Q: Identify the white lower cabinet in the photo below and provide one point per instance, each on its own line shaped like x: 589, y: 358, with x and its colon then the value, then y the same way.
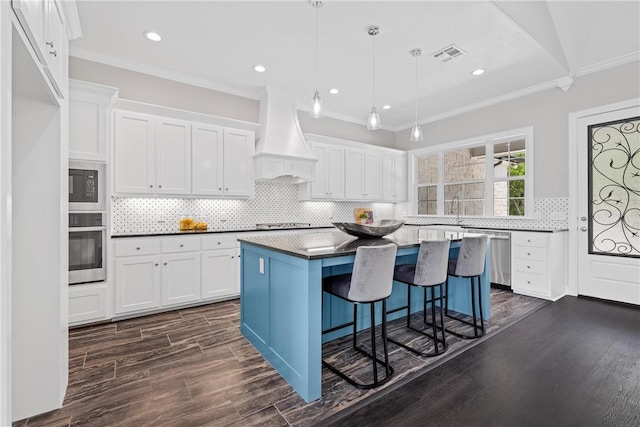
x: 87, y: 303
x: 180, y: 278
x: 137, y: 283
x: 156, y: 272
x: 538, y: 264
x: 219, y: 278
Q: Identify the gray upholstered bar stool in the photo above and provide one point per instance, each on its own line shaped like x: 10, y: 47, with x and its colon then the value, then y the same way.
x: 469, y: 264
x: 428, y: 273
x: 370, y: 282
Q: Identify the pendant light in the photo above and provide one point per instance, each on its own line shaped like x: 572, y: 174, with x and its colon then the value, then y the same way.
x: 416, y: 131
x: 316, y: 102
x: 373, y: 122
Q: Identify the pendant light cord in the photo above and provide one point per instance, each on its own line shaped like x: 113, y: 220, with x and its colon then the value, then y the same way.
x: 416, y: 90
x: 317, y: 6
x: 373, y: 85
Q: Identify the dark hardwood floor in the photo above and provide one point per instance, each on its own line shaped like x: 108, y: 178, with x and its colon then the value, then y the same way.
x: 192, y: 367
x: 575, y: 362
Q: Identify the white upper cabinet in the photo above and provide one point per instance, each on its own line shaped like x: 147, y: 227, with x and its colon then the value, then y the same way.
x: 354, y: 174
x: 162, y: 156
x: 373, y: 176
x: 56, y: 45
x: 207, y: 160
x: 173, y: 156
x: 239, y: 147
x: 329, y: 182
x: 363, y: 175
x: 42, y: 22
x: 134, y: 155
x: 394, y: 184
x: 89, y: 120
x: 353, y: 171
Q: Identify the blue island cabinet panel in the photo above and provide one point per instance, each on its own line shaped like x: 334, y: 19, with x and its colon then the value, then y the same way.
x: 281, y: 315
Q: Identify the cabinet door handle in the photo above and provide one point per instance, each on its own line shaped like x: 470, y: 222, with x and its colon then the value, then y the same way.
x: 231, y: 256
x: 50, y: 44
x: 218, y: 242
x: 150, y: 185
x: 220, y: 188
x: 54, y: 53
x: 165, y: 263
x: 528, y: 266
x: 138, y: 248
x: 528, y: 240
x: 226, y: 189
x: 528, y: 253
x: 159, y: 186
x: 156, y: 264
x: 529, y: 281
x: 182, y: 246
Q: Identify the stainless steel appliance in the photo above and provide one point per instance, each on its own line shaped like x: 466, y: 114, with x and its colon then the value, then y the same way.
x: 87, y: 247
x: 500, y: 255
x: 87, y: 186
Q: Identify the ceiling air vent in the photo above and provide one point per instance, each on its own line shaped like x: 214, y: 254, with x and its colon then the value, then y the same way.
x: 448, y: 53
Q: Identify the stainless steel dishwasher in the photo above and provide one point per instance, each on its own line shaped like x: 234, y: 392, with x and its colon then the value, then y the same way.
x: 500, y: 255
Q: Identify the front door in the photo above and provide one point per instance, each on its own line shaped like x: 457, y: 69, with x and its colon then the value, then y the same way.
x: 608, y: 204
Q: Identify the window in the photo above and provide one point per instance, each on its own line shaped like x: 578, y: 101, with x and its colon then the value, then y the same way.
x: 486, y: 176
x: 428, y: 170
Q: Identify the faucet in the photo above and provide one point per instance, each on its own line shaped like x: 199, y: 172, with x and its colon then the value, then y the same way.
x: 457, y: 200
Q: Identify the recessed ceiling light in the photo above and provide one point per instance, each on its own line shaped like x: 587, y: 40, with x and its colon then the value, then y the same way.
x: 333, y: 91
x: 153, y: 36
x: 260, y: 68
x: 386, y: 107
x: 478, y: 72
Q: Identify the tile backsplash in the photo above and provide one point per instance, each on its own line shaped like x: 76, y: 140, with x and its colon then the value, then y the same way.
x: 274, y: 202
x: 550, y: 213
x: 277, y: 202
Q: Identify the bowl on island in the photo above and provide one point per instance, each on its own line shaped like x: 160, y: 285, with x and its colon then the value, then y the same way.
x: 369, y: 231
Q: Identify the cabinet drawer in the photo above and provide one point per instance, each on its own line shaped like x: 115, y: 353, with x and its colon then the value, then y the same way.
x: 129, y: 247
x: 530, y: 252
x: 220, y: 241
x: 180, y: 244
x: 529, y: 282
x: 529, y: 266
x: 529, y: 239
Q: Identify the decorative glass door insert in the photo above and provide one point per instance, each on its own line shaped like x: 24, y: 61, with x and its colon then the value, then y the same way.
x: 614, y: 188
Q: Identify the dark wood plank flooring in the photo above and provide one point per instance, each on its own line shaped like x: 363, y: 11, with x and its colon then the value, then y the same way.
x: 575, y: 362
x: 192, y: 367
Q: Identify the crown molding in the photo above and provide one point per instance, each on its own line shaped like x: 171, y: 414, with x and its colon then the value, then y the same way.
x: 71, y: 19
x: 160, y: 72
x: 556, y: 83
x: 611, y: 63
x: 482, y: 104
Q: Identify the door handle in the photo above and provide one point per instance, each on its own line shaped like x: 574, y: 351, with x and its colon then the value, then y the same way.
x: 583, y: 228
x: 583, y: 218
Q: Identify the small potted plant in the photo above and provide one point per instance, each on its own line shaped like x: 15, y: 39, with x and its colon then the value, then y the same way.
x: 362, y: 218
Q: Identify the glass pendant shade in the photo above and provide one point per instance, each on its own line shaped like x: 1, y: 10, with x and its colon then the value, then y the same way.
x: 373, y: 123
x: 416, y: 134
x: 316, y: 106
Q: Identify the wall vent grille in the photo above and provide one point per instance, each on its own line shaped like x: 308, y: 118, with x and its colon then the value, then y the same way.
x: 448, y: 53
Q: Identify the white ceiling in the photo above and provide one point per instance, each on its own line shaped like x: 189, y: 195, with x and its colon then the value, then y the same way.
x: 522, y: 45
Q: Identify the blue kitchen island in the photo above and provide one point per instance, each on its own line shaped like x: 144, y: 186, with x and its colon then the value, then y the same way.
x: 283, y: 308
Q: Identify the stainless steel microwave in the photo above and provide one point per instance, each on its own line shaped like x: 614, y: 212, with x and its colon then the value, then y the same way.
x: 87, y: 189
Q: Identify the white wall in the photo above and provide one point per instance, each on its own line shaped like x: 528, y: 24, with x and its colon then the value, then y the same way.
x: 38, y: 203
x: 159, y: 91
x: 548, y: 112
x: 5, y: 214
x: 335, y: 128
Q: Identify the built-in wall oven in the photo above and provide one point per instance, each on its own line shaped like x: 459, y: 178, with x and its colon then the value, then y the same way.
x: 87, y: 247
x: 87, y: 188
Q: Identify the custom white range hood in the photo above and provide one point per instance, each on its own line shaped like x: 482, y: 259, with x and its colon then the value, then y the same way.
x: 282, y: 153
